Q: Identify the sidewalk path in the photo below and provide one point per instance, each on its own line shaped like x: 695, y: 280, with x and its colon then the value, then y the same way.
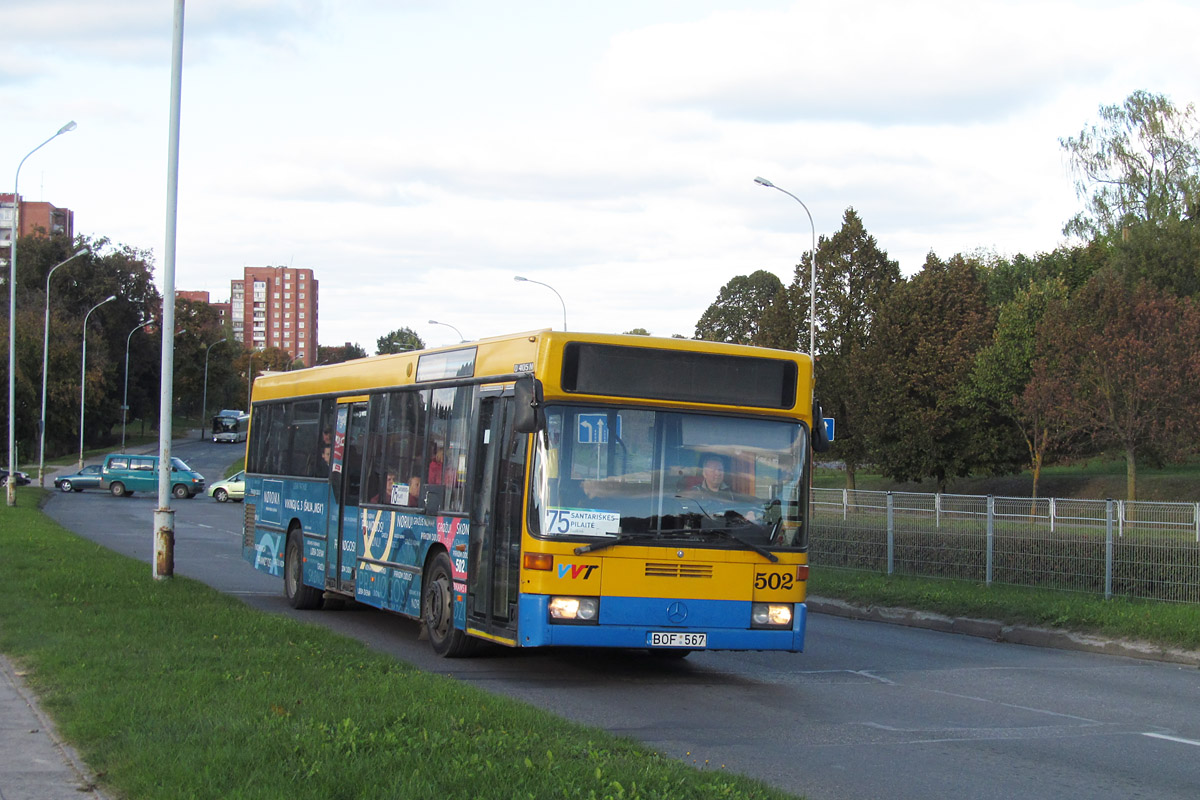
x: 35, y: 764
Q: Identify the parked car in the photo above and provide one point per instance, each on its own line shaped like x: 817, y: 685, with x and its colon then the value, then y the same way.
x: 232, y: 488
x: 124, y: 474
x: 22, y: 479
x: 87, y: 478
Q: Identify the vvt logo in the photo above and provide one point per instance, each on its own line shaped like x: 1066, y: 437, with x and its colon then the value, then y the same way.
x: 576, y: 570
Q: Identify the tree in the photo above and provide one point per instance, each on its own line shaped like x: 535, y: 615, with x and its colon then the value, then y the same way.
x: 1121, y: 365
x: 1002, y: 371
x: 1140, y: 164
x: 926, y: 336
x: 1167, y: 256
x: 77, y: 286
x: 399, y: 341
x: 777, y: 326
x: 336, y: 355
x: 854, y: 280
x: 734, y: 316
x: 198, y: 325
x: 638, y: 332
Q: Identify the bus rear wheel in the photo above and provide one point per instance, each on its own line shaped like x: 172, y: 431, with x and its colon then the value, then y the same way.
x: 437, y: 611
x: 298, y: 595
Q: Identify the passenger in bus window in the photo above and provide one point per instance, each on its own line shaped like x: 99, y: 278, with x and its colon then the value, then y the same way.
x: 434, y: 477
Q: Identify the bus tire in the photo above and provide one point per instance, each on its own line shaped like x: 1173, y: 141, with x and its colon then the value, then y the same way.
x: 117, y: 488
x: 298, y: 595
x: 437, y: 610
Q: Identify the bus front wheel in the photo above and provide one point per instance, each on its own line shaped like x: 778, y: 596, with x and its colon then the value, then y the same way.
x: 298, y: 595
x: 437, y: 611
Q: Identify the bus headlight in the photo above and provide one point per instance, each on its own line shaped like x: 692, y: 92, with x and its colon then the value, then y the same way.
x: 771, y: 615
x: 574, y: 609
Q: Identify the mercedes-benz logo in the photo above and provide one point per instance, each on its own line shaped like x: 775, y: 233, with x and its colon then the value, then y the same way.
x: 677, y: 612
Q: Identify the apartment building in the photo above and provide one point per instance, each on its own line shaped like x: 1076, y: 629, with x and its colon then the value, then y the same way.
x: 34, y: 216
x: 276, y: 307
x: 223, y: 309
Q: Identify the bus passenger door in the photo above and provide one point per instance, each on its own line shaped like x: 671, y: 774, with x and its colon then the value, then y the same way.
x: 345, y: 479
x: 497, y: 506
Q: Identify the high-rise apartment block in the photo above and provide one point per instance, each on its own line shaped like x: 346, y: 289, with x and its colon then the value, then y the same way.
x: 276, y: 307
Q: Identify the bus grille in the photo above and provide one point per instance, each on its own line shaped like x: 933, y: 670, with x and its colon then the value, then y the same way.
x: 660, y: 570
x: 248, y: 524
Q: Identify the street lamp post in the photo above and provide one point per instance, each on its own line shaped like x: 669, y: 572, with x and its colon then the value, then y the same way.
x: 519, y: 279
x: 249, y: 377
x: 83, y: 372
x: 125, y: 396
x: 12, y: 316
x: 45, y: 365
x: 812, y: 278
x: 461, y: 338
x: 204, y: 402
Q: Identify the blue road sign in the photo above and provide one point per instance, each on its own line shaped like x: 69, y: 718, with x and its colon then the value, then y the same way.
x: 593, y: 429
x: 829, y: 427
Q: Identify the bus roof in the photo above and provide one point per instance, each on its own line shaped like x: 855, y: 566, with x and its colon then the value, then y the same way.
x: 545, y: 354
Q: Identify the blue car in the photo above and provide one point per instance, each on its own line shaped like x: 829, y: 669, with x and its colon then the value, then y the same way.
x: 86, y: 478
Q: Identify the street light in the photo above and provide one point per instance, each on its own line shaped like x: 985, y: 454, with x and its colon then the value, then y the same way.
x: 83, y: 372
x: 249, y: 377
x: 812, y: 278
x: 204, y: 402
x: 12, y: 316
x: 461, y: 338
x: 125, y: 397
x: 45, y: 365
x: 519, y: 279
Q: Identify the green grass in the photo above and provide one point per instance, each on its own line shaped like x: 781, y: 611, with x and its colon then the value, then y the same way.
x: 171, y: 689
x: 1173, y: 625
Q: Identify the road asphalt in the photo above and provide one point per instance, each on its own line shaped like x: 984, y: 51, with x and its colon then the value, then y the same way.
x: 36, y: 764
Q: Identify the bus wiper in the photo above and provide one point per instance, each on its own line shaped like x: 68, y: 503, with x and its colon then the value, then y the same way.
x: 762, y: 551
x: 624, y: 538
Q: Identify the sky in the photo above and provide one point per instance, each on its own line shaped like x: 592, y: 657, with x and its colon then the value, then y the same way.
x: 417, y: 155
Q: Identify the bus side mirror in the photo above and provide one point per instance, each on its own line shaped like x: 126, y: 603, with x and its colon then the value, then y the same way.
x: 820, y: 439
x: 530, y: 416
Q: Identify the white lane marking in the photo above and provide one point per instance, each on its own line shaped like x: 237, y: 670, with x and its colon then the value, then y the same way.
x: 1192, y: 742
x: 1030, y: 709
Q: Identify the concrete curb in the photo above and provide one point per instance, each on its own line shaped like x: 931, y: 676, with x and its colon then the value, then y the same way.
x: 38, y: 764
x: 1000, y: 632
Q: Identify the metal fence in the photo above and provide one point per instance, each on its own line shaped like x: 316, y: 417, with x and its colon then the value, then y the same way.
x: 1113, y: 547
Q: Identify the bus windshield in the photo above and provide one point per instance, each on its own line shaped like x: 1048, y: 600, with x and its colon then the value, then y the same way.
x: 607, y: 475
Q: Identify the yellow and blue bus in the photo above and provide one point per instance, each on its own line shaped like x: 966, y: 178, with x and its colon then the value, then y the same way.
x: 544, y: 489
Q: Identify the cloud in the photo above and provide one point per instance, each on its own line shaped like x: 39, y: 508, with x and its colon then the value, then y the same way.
x: 882, y: 63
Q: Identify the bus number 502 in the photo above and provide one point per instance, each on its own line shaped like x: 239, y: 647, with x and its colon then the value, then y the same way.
x: 773, y: 580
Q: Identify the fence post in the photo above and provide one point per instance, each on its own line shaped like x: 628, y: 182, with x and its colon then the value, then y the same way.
x: 1108, y: 548
x: 991, y: 535
x: 937, y: 509
x: 845, y: 504
x: 1196, y: 518
x: 1053, y: 513
x: 1120, y: 519
x: 891, y: 537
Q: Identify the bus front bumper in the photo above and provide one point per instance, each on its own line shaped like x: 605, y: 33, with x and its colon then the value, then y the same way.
x: 624, y: 623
